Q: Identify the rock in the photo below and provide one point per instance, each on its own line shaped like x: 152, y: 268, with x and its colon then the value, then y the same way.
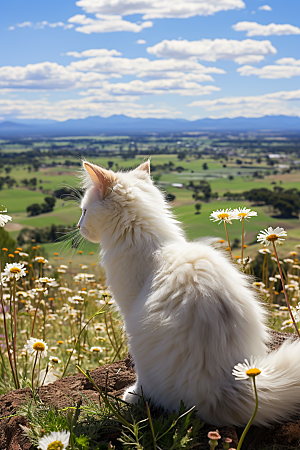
x: 115, y: 378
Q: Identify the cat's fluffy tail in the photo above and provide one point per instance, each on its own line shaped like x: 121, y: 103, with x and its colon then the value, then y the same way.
x: 278, y: 385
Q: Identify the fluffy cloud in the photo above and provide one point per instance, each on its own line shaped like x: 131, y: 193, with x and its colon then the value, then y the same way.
x: 42, y: 25
x: 141, y: 41
x: 256, y: 29
x: 47, y: 75
x: 80, y: 108
x: 162, y: 76
x: 158, y: 9
x: 265, y: 8
x: 212, y: 50
x: 106, y: 23
x: 283, y: 102
x: 141, y: 67
x: 286, y: 68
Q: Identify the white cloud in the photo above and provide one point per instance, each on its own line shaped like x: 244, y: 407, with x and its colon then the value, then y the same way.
x: 141, y: 67
x: 94, y: 52
x: 80, y: 108
x: 47, y: 76
x: 271, y: 72
x: 181, y: 85
x: 283, y: 102
x: 256, y: 29
x: 158, y: 9
x: 106, y: 24
x: 265, y: 8
x: 141, y: 41
x: 288, y: 61
x: 212, y: 50
x: 42, y: 25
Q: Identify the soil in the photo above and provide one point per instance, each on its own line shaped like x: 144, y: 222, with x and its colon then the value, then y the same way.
x: 115, y: 378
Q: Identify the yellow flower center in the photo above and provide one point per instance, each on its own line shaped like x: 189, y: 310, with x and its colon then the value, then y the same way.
x: 223, y: 216
x: 242, y: 214
x: 39, y: 347
x: 55, y: 445
x: 272, y: 237
x: 96, y: 349
x: 253, y: 372
x: 55, y: 360
x: 15, y: 270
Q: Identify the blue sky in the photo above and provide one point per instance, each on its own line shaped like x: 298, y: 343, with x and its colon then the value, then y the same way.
x: 66, y: 59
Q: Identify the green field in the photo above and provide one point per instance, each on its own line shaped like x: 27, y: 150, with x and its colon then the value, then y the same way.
x: 53, y: 174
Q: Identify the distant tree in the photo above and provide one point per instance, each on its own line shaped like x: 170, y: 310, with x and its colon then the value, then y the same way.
x: 231, y: 177
x: 170, y: 197
x: 48, y: 205
x: 238, y: 161
x: 7, y: 169
x: 34, y: 209
x: 110, y: 164
x: 258, y: 159
x: 198, y: 207
x: 204, y: 166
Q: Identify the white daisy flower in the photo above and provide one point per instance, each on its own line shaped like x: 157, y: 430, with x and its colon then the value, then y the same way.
x: 35, y: 346
x: 56, y: 440
x: 245, y: 260
x: 41, y: 259
x: 14, y: 270
x: 76, y: 299
x: 244, y: 213
x: 4, y: 219
x: 96, y: 349
x: 270, y: 235
x: 54, y: 359
x: 223, y: 215
x: 264, y: 251
x: 246, y: 370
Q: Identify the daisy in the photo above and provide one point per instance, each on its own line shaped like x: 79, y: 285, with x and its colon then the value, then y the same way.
x: 246, y: 370
x: 56, y: 440
x: 223, y: 215
x: 36, y: 346
x: 271, y: 235
x: 3, y: 217
x: 14, y: 270
x: 96, y: 349
x: 244, y: 213
x: 264, y: 251
x: 54, y: 359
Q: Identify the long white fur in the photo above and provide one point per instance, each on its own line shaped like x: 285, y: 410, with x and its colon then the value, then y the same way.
x: 189, y: 314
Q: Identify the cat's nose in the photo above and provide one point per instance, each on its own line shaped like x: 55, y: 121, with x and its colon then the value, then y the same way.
x: 78, y: 226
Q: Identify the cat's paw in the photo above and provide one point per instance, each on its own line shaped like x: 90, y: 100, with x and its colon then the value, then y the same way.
x: 132, y: 394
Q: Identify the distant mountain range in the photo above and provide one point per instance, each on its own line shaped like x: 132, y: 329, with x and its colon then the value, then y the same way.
x: 123, y: 125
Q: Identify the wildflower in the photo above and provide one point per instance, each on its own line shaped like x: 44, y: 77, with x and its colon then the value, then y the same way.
x: 11, y: 255
x: 56, y: 440
x: 55, y: 254
x: 246, y: 370
x: 14, y: 270
x: 60, y: 342
x: 3, y: 217
x: 271, y: 235
x: 5, y: 249
x: 41, y: 259
x: 244, y: 213
x: 289, y: 261
x: 35, y: 346
x: 79, y: 251
x: 54, y: 359
x: 288, y: 323
x: 76, y: 299
x: 245, y: 261
x: 96, y: 349
x: 213, y: 437
x: 272, y: 279
x: 264, y: 251
x: 223, y: 215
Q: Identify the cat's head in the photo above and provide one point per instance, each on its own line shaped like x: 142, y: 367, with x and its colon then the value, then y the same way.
x: 118, y: 203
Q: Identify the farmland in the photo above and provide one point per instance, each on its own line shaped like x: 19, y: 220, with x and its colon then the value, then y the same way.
x: 231, y: 164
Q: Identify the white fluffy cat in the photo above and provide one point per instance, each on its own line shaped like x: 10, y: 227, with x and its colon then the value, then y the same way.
x: 189, y: 314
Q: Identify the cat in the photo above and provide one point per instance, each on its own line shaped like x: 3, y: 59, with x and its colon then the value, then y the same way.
x: 190, y: 315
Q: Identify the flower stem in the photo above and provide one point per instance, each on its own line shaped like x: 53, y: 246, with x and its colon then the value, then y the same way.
x: 33, y: 369
x: 252, y: 418
x: 15, y: 332
x: 229, y: 246
x: 284, y: 291
x: 242, y: 258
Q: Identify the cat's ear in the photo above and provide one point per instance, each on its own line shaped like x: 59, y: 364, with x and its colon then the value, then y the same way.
x: 100, y: 177
x: 144, y: 167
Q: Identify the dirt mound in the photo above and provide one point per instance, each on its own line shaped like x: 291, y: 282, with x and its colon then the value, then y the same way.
x: 116, y: 378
